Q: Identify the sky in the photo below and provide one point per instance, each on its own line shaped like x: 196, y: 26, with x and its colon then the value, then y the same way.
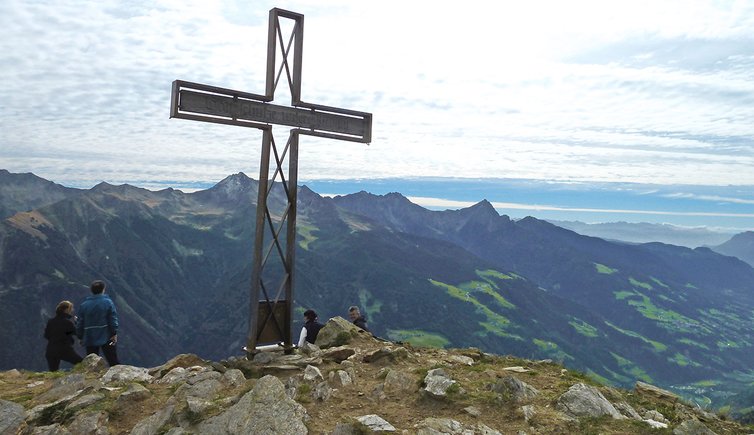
x: 653, y: 98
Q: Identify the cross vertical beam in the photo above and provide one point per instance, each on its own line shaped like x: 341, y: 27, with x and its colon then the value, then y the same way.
x: 271, y: 301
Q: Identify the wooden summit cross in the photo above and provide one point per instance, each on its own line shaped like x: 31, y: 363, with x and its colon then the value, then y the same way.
x: 271, y: 315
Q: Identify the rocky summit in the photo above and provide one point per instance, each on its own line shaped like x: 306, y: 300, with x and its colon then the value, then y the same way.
x: 348, y: 383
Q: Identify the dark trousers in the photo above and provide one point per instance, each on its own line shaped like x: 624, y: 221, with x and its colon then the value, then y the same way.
x: 111, y: 354
x: 54, y: 356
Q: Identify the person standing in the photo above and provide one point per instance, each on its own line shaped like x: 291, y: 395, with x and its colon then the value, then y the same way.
x: 59, y: 332
x: 311, y: 328
x: 97, y: 326
x: 357, y: 318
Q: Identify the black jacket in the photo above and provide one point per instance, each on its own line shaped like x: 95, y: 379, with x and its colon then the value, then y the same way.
x: 312, y: 329
x: 60, y: 332
x: 361, y: 322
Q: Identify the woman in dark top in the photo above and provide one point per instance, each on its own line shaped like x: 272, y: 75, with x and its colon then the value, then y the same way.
x: 60, y: 333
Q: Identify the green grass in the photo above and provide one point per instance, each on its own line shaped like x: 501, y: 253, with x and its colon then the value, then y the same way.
x: 658, y: 282
x: 371, y: 309
x: 668, y: 319
x: 630, y: 368
x: 656, y: 345
x: 644, y: 285
x: 693, y: 343
x: 551, y: 349
x: 418, y: 338
x: 601, y: 268
x: 584, y: 328
x: 306, y: 235
x: 484, y: 287
x: 683, y: 361
x: 623, y: 294
x: 493, y: 274
x: 495, y: 323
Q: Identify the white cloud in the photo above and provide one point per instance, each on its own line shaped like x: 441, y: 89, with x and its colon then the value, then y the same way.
x: 656, y: 92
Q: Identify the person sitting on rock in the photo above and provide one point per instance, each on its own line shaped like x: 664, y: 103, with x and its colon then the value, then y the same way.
x: 357, y: 318
x: 311, y: 328
x: 60, y: 332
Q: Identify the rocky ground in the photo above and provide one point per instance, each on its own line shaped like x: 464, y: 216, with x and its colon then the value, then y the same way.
x: 351, y: 383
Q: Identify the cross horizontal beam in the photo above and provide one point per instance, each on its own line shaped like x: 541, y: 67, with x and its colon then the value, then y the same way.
x: 226, y: 106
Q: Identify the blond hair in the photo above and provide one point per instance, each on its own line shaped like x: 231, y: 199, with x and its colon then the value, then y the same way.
x: 63, y: 306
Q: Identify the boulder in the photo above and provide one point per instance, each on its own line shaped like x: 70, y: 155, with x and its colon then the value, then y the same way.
x: 337, y: 354
x: 443, y: 426
x: 438, y: 384
x: 266, y: 409
x: 90, y: 423
x: 184, y: 360
x: 152, y: 424
x: 63, y: 387
x: 93, y: 363
x: 234, y: 378
x: 650, y: 390
x: 134, y: 393
x: 692, y: 427
x: 584, y: 401
x: 656, y: 416
x: 84, y: 401
x: 12, y: 415
x: 627, y: 410
x: 340, y: 379
x: 312, y: 374
x: 373, y: 423
x: 511, y: 387
x: 322, y: 392
x: 53, y: 429
x: 337, y: 332
x: 126, y: 373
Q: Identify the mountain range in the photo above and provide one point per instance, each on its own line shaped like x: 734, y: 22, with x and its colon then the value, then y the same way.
x: 178, y: 268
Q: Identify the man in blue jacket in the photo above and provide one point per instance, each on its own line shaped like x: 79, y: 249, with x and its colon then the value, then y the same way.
x: 97, y: 325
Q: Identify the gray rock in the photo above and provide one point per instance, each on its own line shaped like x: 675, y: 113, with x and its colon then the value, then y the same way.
x: 234, y: 377
x: 202, y: 374
x: 178, y: 431
x: 322, y: 392
x: 206, y: 389
x: 184, y: 360
x: 656, y: 416
x: 338, y: 354
x: 340, y: 379
x: 656, y: 392
x: 337, y: 332
x: 441, y: 426
x: 90, y: 423
x: 40, y: 412
x: 126, y: 373
x: 529, y: 412
x: 655, y: 424
x: 473, y: 411
x: 84, y: 401
x: 53, y: 429
x: 375, y: 423
x: 627, y: 410
x: 397, y: 381
x: 197, y: 405
x: 345, y: 429
x: 516, y: 390
x: 152, y: 424
x: 386, y: 355
x: 264, y: 358
x: 93, y: 363
x: 177, y: 375
x: 134, y: 393
x: 12, y: 415
x: 692, y: 427
x: 310, y: 349
x: 63, y: 387
x: 486, y: 430
x: 461, y: 359
x: 584, y: 401
x: 312, y: 374
x: 437, y: 384
x: 264, y: 410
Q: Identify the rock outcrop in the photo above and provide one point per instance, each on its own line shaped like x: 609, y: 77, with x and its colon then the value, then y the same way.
x: 363, y: 386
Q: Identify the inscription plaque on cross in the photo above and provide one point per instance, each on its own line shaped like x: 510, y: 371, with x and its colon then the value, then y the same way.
x: 271, y: 302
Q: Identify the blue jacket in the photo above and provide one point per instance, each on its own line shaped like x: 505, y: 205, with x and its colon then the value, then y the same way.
x: 98, y: 320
